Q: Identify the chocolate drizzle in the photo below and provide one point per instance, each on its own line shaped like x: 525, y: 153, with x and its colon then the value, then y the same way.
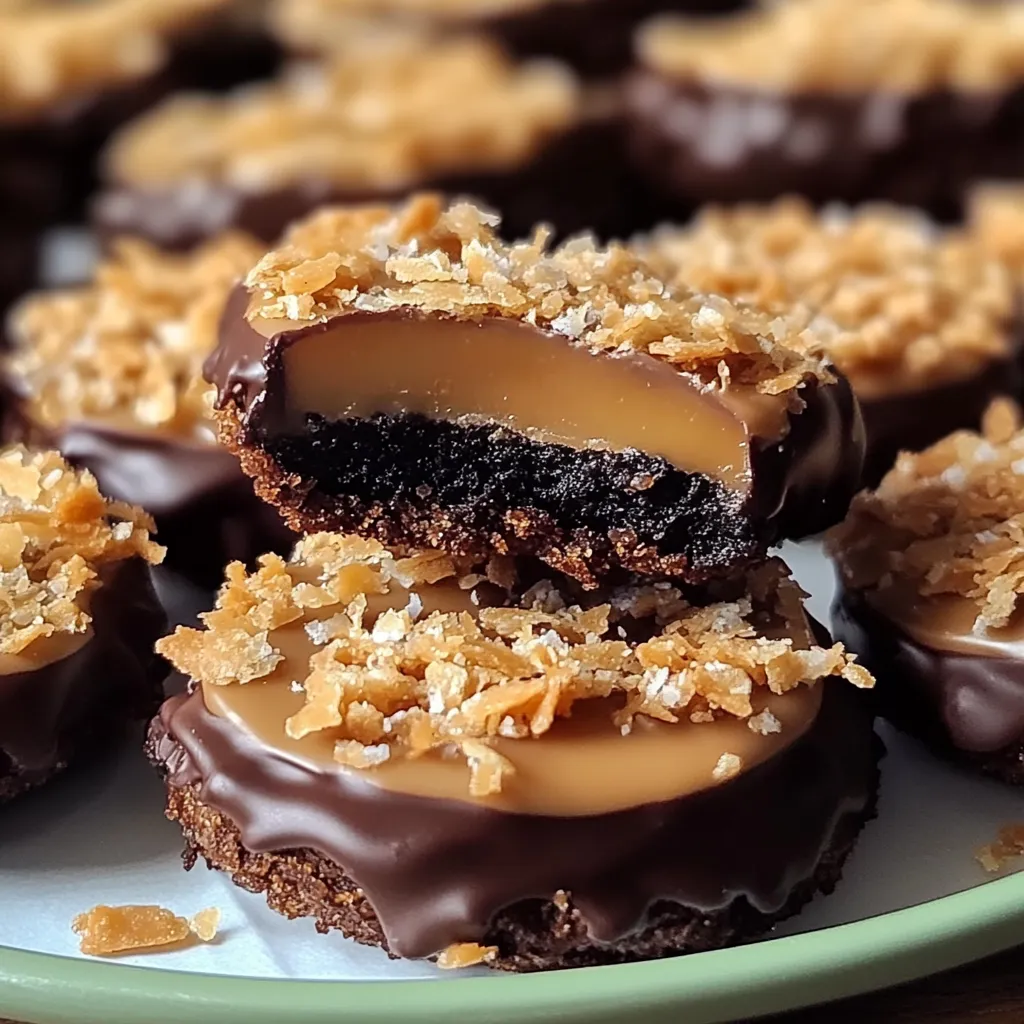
x: 721, y: 143
x: 971, y: 703
x: 52, y: 714
x: 437, y: 871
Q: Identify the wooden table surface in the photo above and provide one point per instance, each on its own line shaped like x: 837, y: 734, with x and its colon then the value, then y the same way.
x: 989, y: 992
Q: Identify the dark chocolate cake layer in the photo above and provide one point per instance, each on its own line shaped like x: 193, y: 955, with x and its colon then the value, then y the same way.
x: 969, y: 708
x: 547, y: 891
x: 73, y: 707
x: 719, y: 143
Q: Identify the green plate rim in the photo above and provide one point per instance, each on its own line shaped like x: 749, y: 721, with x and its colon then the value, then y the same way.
x: 765, y: 977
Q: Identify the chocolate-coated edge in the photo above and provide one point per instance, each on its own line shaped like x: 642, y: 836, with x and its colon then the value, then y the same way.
x: 71, y: 708
x: 967, y: 708
x: 684, y: 524
x: 914, y: 420
x: 698, y: 143
x: 652, y: 880
x: 579, y: 180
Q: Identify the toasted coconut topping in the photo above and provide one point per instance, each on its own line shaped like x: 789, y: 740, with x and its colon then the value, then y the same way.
x: 56, y: 531
x: 109, y: 931
x: 370, y: 120
x: 1008, y: 846
x: 450, y: 260
x: 407, y: 682
x: 49, y: 51
x: 129, y: 348
x: 948, y: 520
x: 907, y: 46
x: 996, y: 222
x: 465, y: 954
x: 320, y: 25
x: 900, y: 305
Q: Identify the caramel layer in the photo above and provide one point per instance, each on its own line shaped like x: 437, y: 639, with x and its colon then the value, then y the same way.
x: 945, y: 622
x: 582, y: 766
x: 42, y: 652
x: 540, y: 385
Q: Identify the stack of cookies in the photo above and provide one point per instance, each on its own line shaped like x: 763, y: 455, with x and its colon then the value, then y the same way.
x: 530, y: 690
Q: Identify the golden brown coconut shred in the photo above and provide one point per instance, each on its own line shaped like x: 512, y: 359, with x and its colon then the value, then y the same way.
x: 56, y: 530
x: 407, y: 683
x: 900, y: 304
x: 906, y: 46
x: 450, y: 260
x: 129, y: 348
x: 948, y: 520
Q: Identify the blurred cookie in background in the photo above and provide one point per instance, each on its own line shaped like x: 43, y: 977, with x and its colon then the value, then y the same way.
x: 591, y: 35
x: 924, y: 325
x: 459, y: 117
x: 905, y: 100
x: 110, y: 374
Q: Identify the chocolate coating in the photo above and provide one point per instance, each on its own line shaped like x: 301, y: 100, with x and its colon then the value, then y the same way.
x: 912, y: 421
x: 579, y: 181
x: 702, y: 143
x: 399, y: 476
x: 438, y: 871
x: 72, y: 707
x: 966, y: 706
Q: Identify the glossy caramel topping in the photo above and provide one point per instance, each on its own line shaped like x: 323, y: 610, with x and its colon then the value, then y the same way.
x: 428, y: 681
x: 512, y: 374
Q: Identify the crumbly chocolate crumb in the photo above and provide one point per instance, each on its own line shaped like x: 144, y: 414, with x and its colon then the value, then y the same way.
x: 1008, y: 846
x: 49, y: 51
x: 904, y: 46
x: 900, y: 305
x: 450, y: 260
x: 948, y: 520
x: 109, y: 931
x: 56, y: 530
x: 405, y: 684
x: 129, y: 348
x: 369, y: 120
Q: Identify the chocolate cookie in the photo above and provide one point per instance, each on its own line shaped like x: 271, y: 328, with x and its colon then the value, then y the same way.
x: 79, y: 623
x: 430, y: 717
x: 924, y: 323
x: 929, y: 593
x: 904, y: 100
x: 110, y: 374
x: 457, y: 116
x: 405, y: 374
